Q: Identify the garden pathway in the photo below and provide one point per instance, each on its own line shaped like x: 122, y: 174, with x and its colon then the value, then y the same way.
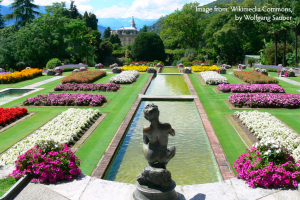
x: 42, y: 82
x: 289, y: 81
x: 86, y: 187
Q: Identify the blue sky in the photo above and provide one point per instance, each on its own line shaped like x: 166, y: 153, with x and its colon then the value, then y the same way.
x: 144, y: 9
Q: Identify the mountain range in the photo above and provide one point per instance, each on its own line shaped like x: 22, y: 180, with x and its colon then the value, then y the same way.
x: 103, y: 23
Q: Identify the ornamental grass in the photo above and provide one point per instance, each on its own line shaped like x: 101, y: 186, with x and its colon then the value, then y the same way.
x: 251, y: 88
x: 23, y: 75
x: 254, y: 77
x: 135, y: 68
x: 266, y: 100
x: 84, y: 76
x: 8, y: 115
x: 204, y: 68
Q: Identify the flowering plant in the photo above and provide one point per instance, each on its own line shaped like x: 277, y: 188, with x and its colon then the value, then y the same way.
x: 213, y: 78
x: 87, y: 87
x: 84, y: 77
x: 151, y: 70
x: 282, y: 71
x: 254, y: 77
x: 251, y: 88
x: 125, y: 77
x: 113, y: 65
x: 159, y: 65
x: 48, y: 161
x: 98, y: 66
x: 240, y: 66
x: 264, y: 71
x: 8, y: 115
x: 204, y: 68
x: 187, y: 70
x: 133, y: 68
x: 268, y: 164
x: 17, y: 76
x: 116, y: 70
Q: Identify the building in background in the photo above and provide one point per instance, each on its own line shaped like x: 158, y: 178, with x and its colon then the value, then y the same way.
x: 127, y: 35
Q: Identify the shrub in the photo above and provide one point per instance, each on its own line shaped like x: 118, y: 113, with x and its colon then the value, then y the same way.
x: 174, y: 63
x: 54, y: 62
x: 268, y: 164
x: 48, y: 161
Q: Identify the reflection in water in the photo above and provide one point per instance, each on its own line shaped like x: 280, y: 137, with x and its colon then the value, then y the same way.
x: 168, y: 85
x: 194, y: 162
x: 169, y: 70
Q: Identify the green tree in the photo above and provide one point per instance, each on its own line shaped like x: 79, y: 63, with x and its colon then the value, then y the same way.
x: 23, y: 12
x: 107, y: 33
x: 274, y: 30
x: 58, y: 9
x: 295, y: 22
x: 73, y: 12
x: 183, y: 27
x: 90, y: 20
x: 144, y: 29
x: 285, y: 26
x: 1, y: 20
x: 106, y: 49
x: 148, y: 47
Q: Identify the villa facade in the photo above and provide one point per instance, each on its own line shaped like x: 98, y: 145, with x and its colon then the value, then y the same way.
x: 127, y: 35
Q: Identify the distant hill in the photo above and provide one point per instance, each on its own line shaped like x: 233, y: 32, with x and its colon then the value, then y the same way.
x: 212, y: 4
x: 157, y: 26
x: 101, y: 29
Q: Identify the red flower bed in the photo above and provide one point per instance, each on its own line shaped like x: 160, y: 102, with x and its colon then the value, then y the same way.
x: 254, y: 77
x: 84, y: 77
x: 10, y: 114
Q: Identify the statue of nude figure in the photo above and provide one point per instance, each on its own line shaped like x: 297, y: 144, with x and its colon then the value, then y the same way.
x: 155, y: 139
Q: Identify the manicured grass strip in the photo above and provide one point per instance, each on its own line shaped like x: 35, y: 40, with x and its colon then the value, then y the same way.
x: 92, y: 150
x: 105, y: 79
x: 215, y: 108
x: 289, y: 88
x: 233, y: 79
x: 6, y: 184
x: 25, y: 83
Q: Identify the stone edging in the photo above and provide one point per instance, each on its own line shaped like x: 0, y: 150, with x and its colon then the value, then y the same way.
x: 107, y: 158
x: 219, y: 154
x: 18, y: 121
x: 231, y: 107
x: 217, y: 91
x: 16, y: 187
x: 88, y: 133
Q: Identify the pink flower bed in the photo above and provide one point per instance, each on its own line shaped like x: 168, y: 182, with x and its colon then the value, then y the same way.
x: 48, y: 162
x: 266, y: 100
x: 87, y: 87
x: 66, y: 100
x: 266, y: 166
x: 251, y: 88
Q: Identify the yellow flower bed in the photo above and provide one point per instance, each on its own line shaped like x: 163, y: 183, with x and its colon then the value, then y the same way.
x: 204, y: 68
x: 138, y: 68
x: 23, y: 75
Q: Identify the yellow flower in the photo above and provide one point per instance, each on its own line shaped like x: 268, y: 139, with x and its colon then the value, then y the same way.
x: 17, y: 76
x: 138, y: 68
x: 204, y: 68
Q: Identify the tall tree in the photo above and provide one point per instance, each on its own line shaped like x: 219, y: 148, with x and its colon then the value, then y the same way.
x: 90, y: 20
x: 144, y: 29
x: 23, y: 12
x: 74, y: 14
x: 107, y: 33
x: 274, y: 30
x: 285, y: 26
x: 1, y: 20
x: 296, y: 23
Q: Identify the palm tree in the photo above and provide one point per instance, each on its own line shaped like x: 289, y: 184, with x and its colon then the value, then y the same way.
x: 285, y: 26
x: 23, y: 12
x: 295, y: 22
x: 274, y: 30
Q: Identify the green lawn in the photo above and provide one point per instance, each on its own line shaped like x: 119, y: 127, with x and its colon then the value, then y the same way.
x: 6, y: 184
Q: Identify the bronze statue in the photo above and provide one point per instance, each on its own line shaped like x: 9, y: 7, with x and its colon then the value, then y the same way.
x: 155, y: 139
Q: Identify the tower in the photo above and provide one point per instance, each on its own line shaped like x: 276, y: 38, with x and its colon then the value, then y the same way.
x: 132, y: 23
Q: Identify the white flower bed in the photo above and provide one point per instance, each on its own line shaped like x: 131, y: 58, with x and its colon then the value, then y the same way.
x: 213, y: 78
x: 125, y: 77
x: 63, y: 128
x: 264, y: 125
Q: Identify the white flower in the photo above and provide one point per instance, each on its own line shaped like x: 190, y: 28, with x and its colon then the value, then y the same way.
x: 213, y: 78
x: 125, y: 77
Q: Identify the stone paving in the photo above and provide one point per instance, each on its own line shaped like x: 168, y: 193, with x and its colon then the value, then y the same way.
x: 289, y: 81
x: 87, y: 188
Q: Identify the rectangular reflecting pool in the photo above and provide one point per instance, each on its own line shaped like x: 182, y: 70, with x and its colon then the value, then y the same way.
x: 11, y: 93
x: 169, y: 70
x: 168, y: 85
x: 194, y: 162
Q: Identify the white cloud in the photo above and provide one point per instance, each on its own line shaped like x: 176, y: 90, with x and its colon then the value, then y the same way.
x: 144, y: 9
x: 83, y: 8
x: 6, y: 2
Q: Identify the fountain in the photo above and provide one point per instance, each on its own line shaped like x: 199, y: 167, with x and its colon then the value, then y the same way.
x: 155, y: 181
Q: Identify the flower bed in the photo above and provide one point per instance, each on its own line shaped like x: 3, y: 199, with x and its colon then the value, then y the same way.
x: 254, y: 77
x: 8, y: 115
x: 3, y: 73
x: 125, y: 77
x: 87, y: 87
x: 251, y: 88
x: 135, y: 68
x: 204, y: 68
x: 151, y: 70
x: 266, y: 100
x: 213, y: 78
x: 187, y: 70
x: 23, y: 75
x: 48, y: 161
x: 66, y: 100
x: 84, y: 77
x: 286, y: 73
x: 264, y: 125
x: 268, y: 164
x: 63, y: 129
x: 116, y: 70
